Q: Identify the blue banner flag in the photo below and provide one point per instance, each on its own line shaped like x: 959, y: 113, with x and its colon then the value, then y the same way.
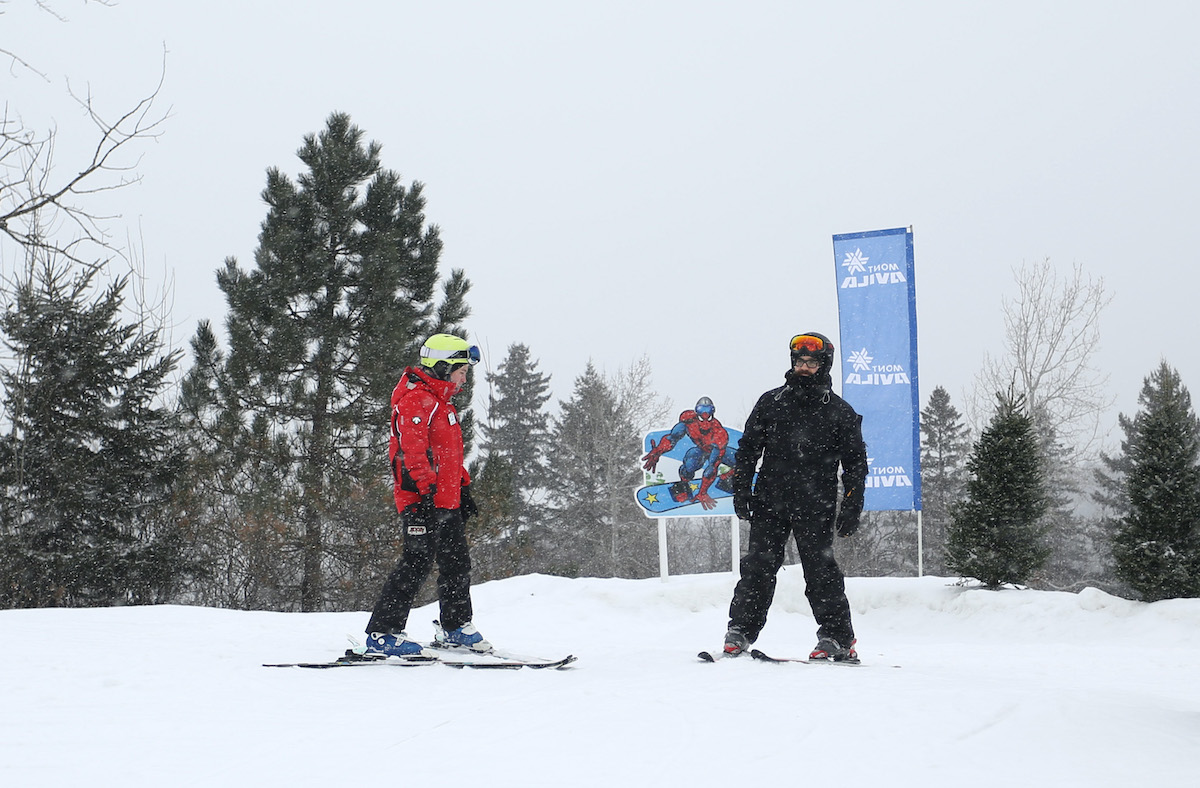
x: 877, y: 315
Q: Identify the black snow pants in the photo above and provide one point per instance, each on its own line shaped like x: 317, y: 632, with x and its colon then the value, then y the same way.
x: 443, y: 540
x: 825, y: 587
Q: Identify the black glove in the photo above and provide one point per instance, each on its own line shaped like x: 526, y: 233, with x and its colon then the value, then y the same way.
x: 466, y: 506
x: 847, y: 523
x: 742, y: 507
x: 423, y: 510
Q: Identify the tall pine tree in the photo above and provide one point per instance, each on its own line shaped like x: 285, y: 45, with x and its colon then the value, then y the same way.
x: 1157, y: 544
x: 339, y: 300
x: 996, y: 534
x: 595, y: 527
x: 509, y: 480
x: 517, y: 422
x: 91, y: 457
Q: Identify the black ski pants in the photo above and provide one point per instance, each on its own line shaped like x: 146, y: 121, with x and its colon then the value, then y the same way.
x: 825, y: 586
x: 444, y: 539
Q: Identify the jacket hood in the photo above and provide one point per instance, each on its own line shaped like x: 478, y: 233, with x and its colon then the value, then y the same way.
x: 442, y: 389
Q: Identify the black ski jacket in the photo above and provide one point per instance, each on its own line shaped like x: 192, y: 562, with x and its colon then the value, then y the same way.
x: 802, y: 431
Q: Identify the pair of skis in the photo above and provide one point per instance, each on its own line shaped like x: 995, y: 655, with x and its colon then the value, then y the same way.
x: 453, y: 657
x: 706, y: 656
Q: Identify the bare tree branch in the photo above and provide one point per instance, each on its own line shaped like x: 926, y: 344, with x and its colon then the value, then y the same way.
x: 16, y: 60
x: 1052, y: 331
x: 39, y: 210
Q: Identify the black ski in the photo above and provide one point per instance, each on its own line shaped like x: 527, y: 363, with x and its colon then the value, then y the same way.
x: 847, y: 663
x: 707, y: 656
x: 352, y: 659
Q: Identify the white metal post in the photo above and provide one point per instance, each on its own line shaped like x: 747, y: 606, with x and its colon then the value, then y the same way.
x: 735, y: 542
x: 662, y: 548
x: 920, y: 548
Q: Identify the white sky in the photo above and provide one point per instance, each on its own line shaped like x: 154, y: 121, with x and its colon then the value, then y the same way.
x: 664, y: 178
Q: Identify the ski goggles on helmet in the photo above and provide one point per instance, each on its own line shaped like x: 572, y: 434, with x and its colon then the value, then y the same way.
x: 706, y: 410
x: 468, y: 355
x: 805, y: 344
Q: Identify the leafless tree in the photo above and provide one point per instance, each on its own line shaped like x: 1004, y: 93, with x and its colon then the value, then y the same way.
x: 1052, y: 331
x: 44, y: 207
x: 48, y: 208
x: 636, y: 397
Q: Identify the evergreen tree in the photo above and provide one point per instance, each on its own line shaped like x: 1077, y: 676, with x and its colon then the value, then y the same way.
x: 338, y: 303
x: 509, y: 482
x: 595, y: 527
x: 996, y: 533
x: 1157, y: 544
x: 517, y: 421
x: 88, y: 465
x: 945, y: 445
x: 501, y: 545
x: 1077, y: 545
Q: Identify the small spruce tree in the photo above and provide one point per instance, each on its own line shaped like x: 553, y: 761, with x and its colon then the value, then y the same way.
x: 91, y: 456
x: 1157, y: 543
x: 996, y: 534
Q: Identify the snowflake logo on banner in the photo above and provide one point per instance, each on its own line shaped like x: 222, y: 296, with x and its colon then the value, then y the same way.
x: 855, y: 262
x: 860, y: 360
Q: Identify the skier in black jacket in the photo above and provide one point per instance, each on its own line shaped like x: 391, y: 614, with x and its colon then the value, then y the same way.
x: 802, y: 431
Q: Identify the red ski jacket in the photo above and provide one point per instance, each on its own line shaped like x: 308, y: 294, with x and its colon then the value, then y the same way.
x: 426, y: 446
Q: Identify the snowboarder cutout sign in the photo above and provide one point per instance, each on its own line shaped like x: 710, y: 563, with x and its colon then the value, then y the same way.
x: 689, y: 468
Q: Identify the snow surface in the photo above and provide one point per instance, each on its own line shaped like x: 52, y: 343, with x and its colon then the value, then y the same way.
x: 996, y: 689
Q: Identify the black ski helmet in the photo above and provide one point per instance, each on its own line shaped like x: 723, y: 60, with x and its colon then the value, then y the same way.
x: 815, y: 345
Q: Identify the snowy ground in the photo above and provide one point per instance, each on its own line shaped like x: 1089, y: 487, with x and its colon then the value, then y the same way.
x: 994, y: 689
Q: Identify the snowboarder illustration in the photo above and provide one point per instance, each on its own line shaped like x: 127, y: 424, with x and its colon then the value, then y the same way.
x: 709, y: 452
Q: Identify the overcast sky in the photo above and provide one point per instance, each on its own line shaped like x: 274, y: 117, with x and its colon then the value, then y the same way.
x: 622, y: 179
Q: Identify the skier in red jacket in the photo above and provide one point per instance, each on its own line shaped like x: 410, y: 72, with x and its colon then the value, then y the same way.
x: 432, y: 493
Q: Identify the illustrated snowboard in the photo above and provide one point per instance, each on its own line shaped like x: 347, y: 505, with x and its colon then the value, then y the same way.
x: 658, y: 498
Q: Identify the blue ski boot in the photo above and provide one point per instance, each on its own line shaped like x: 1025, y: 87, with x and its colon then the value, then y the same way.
x: 395, y: 644
x: 466, y: 636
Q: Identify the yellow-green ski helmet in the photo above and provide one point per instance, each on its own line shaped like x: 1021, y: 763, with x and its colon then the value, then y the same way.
x: 442, y: 352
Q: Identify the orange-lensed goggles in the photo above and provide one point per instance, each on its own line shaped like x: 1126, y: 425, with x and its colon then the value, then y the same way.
x: 807, y: 343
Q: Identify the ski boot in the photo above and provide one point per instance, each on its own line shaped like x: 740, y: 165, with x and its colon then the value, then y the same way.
x: 830, y: 650
x: 395, y: 644
x: 466, y: 636
x: 736, y: 642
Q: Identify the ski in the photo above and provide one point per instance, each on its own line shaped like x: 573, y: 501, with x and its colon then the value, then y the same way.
x: 706, y: 656
x: 452, y: 659
x: 503, y: 662
x: 354, y: 659
x: 856, y: 663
